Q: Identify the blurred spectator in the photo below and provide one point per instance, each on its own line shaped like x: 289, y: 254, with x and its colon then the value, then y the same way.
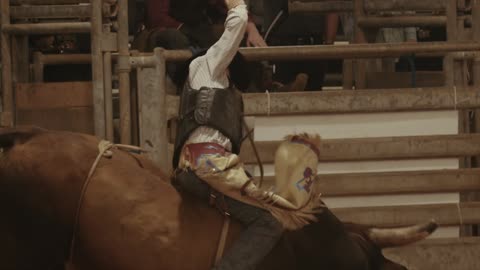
x: 182, y: 24
x: 187, y: 24
x: 284, y: 29
x: 348, y: 26
x: 385, y: 35
x: 255, y: 8
x: 396, y: 35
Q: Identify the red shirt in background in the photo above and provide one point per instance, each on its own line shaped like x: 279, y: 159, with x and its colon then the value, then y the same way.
x: 157, y: 12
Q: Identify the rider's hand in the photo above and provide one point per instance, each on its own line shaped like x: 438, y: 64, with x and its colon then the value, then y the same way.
x: 233, y: 3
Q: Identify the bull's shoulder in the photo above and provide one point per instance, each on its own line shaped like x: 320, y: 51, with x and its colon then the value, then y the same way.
x: 9, y: 136
x: 148, y: 165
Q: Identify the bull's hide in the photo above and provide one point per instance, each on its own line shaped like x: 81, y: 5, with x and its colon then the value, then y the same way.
x: 131, y: 217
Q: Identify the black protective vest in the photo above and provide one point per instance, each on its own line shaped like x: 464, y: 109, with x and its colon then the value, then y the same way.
x: 220, y: 109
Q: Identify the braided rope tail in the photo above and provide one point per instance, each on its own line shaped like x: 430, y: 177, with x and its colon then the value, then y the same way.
x: 255, y: 150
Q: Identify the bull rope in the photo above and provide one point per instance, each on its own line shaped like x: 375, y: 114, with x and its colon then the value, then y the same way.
x: 104, y: 148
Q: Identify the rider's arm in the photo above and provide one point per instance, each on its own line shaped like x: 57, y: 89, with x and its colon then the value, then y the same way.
x: 211, y: 69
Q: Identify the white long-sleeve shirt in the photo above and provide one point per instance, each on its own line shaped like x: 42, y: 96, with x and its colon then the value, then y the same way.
x: 210, y: 70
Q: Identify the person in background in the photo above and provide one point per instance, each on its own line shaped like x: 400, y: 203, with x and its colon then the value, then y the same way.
x: 186, y: 24
x: 180, y: 24
x: 396, y: 35
x: 384, y: 35
x: 288, y: 29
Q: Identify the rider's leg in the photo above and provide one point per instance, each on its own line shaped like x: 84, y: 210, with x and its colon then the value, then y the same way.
x: 261, y: 234
x: 189, y: 182
x: 262, y: 230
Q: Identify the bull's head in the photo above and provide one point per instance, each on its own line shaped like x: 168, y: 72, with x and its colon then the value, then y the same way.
x: 9, y: 139
x: 11, y: 136
x: 37, y: 195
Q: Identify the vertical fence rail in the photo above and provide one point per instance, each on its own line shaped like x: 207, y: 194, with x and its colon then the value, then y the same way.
x: 107, y: 71
x: 161, y: 72
x: 97, y: 70
x: 448, y: 61
x: 37, y: 67
x: 7, y: 118
x: 124, y: 74
x: 360, y: 66
x: 20, y: 58
x: 476, y: 84
x: 152, y: 99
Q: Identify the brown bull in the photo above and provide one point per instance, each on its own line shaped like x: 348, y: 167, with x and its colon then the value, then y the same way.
x: 132, y: 218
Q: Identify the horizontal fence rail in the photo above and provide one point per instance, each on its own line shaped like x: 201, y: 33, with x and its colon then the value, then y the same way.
x: 60, y: 59
x: 405, y: 5
x: 47, y: 28
x: 47, y: 2
x: 448, y: 214
x: 289, y: 53
x: 383, y: 148
x: 52, y: 11
x: 319, y: 6
x: 389, y: 183
x: 403, y: 21
x: 359, y: 101
x: 296, y: 53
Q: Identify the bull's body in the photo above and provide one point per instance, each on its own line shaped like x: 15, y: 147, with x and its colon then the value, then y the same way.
x: 131, y: 217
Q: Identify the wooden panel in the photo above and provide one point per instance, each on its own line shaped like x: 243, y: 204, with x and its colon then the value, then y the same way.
x: 443, y: 214
x: 407, y: 147
x: 382, y: 183
x: 78, y: 119
x: 6, y: 119
x: 439, y: 254
x: 58, y: 106
x: 34, y: 96
x: 392, y: 80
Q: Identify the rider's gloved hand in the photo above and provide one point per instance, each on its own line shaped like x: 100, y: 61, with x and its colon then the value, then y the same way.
x: 233, y: 3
